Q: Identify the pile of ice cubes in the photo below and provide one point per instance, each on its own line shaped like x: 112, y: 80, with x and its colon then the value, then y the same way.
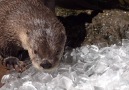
x: 84, y: 68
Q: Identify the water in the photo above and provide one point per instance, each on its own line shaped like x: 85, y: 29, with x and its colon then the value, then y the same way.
x: 84, y: 68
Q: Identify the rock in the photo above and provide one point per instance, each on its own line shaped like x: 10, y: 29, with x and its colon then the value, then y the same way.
x: 108, y: 27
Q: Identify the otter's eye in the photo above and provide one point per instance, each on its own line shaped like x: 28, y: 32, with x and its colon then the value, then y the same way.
x: 57, y: 51
x: 35, y: 52
x: 27, y: 33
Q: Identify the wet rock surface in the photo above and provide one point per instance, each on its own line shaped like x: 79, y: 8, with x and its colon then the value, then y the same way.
x: 108, y: 27
x: 75, y: 27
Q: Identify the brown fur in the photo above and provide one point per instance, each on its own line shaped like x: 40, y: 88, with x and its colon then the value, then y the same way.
x: 29, y: 25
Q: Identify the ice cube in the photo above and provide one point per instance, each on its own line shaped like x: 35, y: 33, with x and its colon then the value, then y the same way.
x: 91, y: 68
x: 84, y: 50
x: 5, y: 78
x: 27, y: 86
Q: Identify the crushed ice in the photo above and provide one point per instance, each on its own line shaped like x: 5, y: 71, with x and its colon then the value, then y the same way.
x: 84, y: 68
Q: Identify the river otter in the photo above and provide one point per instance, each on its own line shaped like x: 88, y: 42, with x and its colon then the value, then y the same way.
x: 30, y: 25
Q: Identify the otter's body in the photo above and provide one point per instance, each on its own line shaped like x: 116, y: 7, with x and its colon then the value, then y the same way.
x: 29, y: 25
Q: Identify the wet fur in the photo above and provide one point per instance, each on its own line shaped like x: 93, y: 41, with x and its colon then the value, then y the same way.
x: 29, y: 25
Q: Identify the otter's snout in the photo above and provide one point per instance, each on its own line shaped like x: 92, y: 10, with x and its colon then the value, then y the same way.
x: 46, y: 64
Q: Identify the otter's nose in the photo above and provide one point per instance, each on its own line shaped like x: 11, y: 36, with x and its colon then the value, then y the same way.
x: 46, y: 64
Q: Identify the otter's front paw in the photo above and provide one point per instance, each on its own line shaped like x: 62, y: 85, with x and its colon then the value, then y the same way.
x: 13, y: 63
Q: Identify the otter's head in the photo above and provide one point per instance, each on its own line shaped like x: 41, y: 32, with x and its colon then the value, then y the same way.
x: 46, y: 47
